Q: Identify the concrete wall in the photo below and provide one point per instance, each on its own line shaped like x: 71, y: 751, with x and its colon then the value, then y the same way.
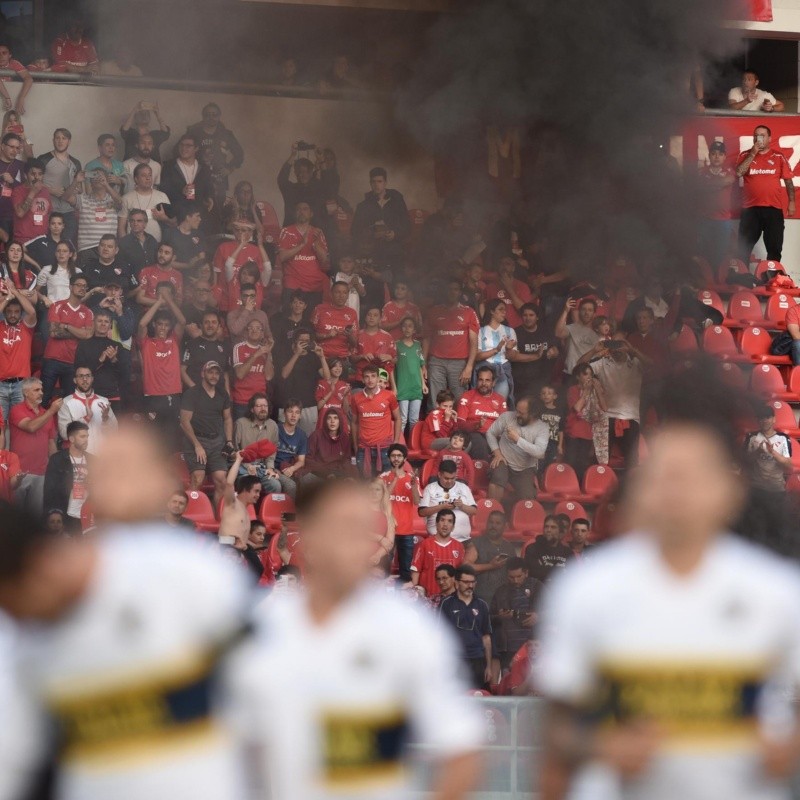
x: 362, y: 133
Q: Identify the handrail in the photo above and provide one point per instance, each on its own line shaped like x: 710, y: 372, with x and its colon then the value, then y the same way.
x: 218, y: 87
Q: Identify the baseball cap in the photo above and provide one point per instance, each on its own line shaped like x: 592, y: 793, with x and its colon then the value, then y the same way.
x: 383, y: 375
x: 717, y: 147
x: 211, y: 365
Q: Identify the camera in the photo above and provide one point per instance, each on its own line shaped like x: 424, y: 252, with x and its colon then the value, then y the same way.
x: 614, y: 344
x: 301, y: 145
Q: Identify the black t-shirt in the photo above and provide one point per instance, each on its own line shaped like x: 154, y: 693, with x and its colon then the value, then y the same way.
x: 283, y: 330
x: 107, y: 374
x: 98, y: 274
x: 185, y: 245
x: 43, y: 250
x: 528, y: 377
x: 200, y: 350
x: 542, y: 558
x: 131, y: 139
x: 206, y: 410
x: 302, y: 381
x: 138, y: 255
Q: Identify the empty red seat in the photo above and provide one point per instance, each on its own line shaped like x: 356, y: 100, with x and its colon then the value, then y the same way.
x: 273, y: 506
x: 572, y: 509
x: 744, y: 308
x: 599, y: 480
x: 755, y: 345
x: 718, y: 342
x: 684, y: 342
x: 794, y: 381
x: 485, y: 507
x: 784, y: 418
x: 527, y: 518
x: 481, y: 477
x: 793, y: 482
x: 415, y: 449
x: 560, y: 482
x: 708, y: 297
x: 200, y: 511
x: 777, y: 307
x: 427, y: 472
x: 767, y: 381
x: 732, y: 375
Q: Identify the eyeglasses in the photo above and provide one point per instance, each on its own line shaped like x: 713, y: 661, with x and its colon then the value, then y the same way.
x: 467, y: 583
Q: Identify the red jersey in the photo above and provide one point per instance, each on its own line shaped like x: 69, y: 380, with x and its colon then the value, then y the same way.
x: 15, y: 350
x: 429, y: 554
x: 717, y: 199
x: 465, y: 465
x: 477, y: 412
x: 448, y: 329
x: 394, y: 313
x: 32, y: 448
x: 161, y: 365
x: 9, y: 469
x: 255, y: 380
x: 375, y: 417
x: 231, y: 288
x: 404, y: 508
x: 304, y: 270
x: 436, y: 427
x: 495, y: 289
x: 762, y: 181
x: 151, y: 276
x: 77, y: 54
x: 328, y: 318
x: 16, y: 66
x: 36, y: 221
x: 375, y: 344
x: 80, y: 317
x: 341, y: 391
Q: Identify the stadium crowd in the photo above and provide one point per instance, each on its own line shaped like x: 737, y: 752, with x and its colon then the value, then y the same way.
x: 449, y: 358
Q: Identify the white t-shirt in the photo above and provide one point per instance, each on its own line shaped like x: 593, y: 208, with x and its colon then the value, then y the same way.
x: 708, y: 656
x: 146, y: 203
x: 580, y: 340
x: 623, y: 386
x: 334, y: 704
x: 736, y: 95
x: 130, y: 165
x: 128, y: 674
x: 57, y: 283
x: 434, y: 494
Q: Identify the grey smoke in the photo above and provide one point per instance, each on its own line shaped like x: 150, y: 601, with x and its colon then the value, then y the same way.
x: 598, y: 86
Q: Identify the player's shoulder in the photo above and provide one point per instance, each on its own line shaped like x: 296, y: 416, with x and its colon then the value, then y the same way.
x: 757, y: 565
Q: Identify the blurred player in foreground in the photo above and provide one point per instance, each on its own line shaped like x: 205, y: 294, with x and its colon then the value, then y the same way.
x: 668, y: 660
x: 346, y: 672
x: 121, y: 636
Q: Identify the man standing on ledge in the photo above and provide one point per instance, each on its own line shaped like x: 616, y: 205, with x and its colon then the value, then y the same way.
x: 763, y: 169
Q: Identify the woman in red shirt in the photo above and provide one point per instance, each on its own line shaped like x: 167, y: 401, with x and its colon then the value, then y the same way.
x: 333, y: 393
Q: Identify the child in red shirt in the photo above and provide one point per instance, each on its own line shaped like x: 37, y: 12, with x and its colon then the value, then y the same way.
x: 455, y: 452
x: 440, y: 422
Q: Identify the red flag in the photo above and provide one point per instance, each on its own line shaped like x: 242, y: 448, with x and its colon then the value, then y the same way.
x: 761, y: 10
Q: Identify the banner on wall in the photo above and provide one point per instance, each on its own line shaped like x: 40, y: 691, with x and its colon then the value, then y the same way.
x: 737, y: 134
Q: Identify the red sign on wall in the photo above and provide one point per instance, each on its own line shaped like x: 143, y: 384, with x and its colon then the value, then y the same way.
x: 761, y: 10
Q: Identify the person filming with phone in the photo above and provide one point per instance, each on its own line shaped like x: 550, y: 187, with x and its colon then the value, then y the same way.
x: 488, y: 554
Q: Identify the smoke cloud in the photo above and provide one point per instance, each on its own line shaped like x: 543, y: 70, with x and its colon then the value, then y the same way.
x: 597, y: 88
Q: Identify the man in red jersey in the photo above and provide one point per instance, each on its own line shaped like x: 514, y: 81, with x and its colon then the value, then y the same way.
x: 397, y: 309
x: 33, y: 439
x: 303, y: 254
x: 763, y: 170
x: 16, y: 341
x: 252, y: 367
x: 478, y: 409
x: 160, y: 272
x: 70, y: 320
x: 375, y: 422
x: 450, y: 343
x: 434, y: 551
x: 507, y: 288
x: 73, y: 52
x: 161, y: 363
x: 336, y: 324
x: 375, y: 346
x: 404, y: 495
x: 10, y: 474
x: 32, y: 205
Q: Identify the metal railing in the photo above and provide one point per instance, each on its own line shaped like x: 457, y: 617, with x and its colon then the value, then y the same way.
x: 510, y: 749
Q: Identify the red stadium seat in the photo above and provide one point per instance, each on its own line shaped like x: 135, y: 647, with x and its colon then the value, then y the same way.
x: 793, y: 481
x: 755, y: 345
x: 744, y: 308
x: 481, y: 477
x: 708, y: 297
x: 784, y: 418
x: 572, y: 509
x: 560, y: 482
x: 767, y: 381
x: 485, y: 507
x: 415, y: 450
x: 527, y: 518
x: 732, y: 375
x: 764, y: 266
x: 794, y: 381
x: 725, y: 269
x: 718, y: 342
x: 684, y: 342
x: 427, y: 472
x: 795, y: 455
x: 272, y: 507
x: 598, y: 481
x: 200, y: 511
x: 777, y: 307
